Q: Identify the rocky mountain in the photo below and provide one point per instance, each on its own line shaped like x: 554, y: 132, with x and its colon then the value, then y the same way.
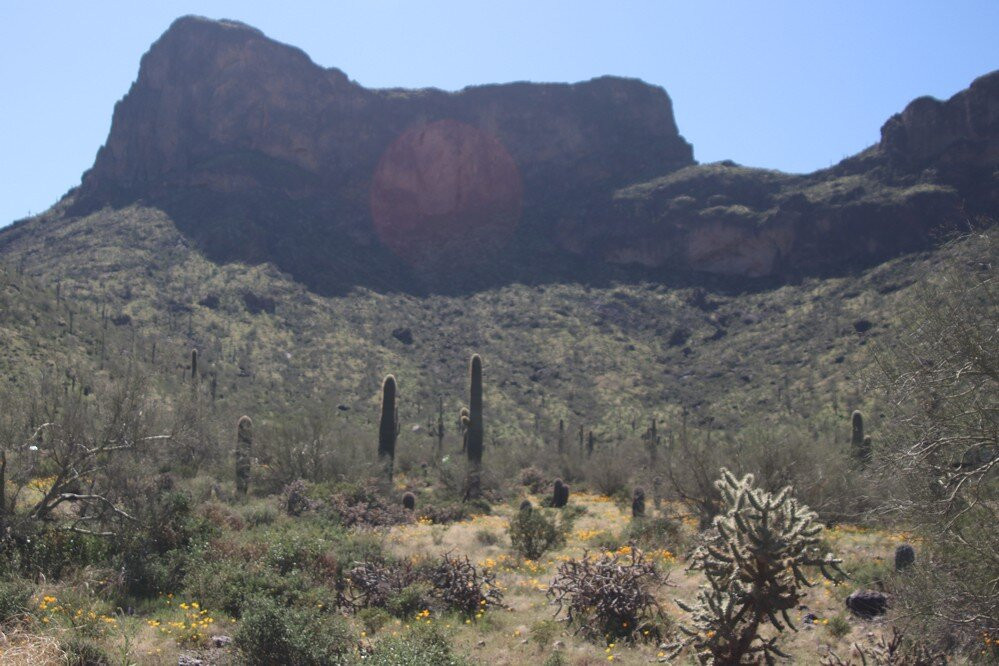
x: 259, y: 155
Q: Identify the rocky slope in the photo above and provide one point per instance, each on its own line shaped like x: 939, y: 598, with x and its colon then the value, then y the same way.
x: 259, y: 155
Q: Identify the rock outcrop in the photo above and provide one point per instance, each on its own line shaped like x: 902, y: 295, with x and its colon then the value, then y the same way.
x: 258, y: 154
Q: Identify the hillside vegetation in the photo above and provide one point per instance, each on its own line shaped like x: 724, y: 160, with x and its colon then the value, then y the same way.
x: 130, y: 539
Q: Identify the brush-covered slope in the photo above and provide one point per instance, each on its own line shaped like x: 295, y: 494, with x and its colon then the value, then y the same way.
x: 598, y: 357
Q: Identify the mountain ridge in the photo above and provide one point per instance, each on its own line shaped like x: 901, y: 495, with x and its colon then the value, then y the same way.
x: 260, y: 155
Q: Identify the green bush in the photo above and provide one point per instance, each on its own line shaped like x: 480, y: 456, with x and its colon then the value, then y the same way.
x: 373, y: 619
x: 273, y: 634
x: 15, y: 598
x: 532, y: 534
x: 155, y: 557
x: 423, y: 645
x: 257, y: 515
x: 52, y: 552
x: 231, y: 585
x: 838, y: 626
x: 658, y: 533
x: 410, y: 600
x: 486, y: 537
x: 84, y: 652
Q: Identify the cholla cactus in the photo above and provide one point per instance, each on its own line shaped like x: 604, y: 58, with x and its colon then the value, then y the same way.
x: 754, y: 568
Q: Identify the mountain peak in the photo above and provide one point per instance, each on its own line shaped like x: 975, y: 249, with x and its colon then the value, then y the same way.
x: 258, y: 154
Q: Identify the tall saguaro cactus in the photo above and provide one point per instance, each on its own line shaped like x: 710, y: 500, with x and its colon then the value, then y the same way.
x: 859, y: 444
x: 194, y: 365
x: 474, y: 431
x: 244, y: 452
x: 438, y: 431
x: 388, y: 427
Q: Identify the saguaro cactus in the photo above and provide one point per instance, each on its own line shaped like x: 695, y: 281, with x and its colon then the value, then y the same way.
x: 591, y: 441
x: 859, y: 444
x: 652, y: 441
x: 388, y: 427
x: 438, y: 431
x: 474, y: 431
x: 561, y: 436
x: 244, y: 452
x: 194, y: 365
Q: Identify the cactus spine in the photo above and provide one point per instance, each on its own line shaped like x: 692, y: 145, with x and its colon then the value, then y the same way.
x: 474, y: 431
x: 388, y: 427
x: 244, y: 451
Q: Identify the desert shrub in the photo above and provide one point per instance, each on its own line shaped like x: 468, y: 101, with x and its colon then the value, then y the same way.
x: 442, y: 514
x: 410, y: 599
x: 422, y: 645
x: 479, y: 506
x: 532, y: 533
x: 362, y: 504
x: 838, y: 626
x: 609, y: 473
x: 544, y: 632
x: 938, y: 454
x: 534, y: 479
x: 891, y: 649
x: 257, y: 515
x: 556, y: 658
x: 449, y: 584
x: 15, y: 598
x: 155, y: 556
x: 660, y: 532
x: 373, y: 619
x: 377, y: 584
x: 460, y: 586
x: 273, y: 634
x: 81, y: 651
x: 35, y: 548
x: 487, y: 537
x: 611, y: 596
x: 295, y: 498
x: 221, y: 515
x: 232, y: 586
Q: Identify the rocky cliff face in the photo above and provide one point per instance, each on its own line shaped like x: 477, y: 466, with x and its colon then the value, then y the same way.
x: 258, y: 154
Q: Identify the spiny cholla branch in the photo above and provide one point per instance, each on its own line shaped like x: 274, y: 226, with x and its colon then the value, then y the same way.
x: 754, y: 567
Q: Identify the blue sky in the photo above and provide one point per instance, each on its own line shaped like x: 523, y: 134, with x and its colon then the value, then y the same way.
x: 793, y: 85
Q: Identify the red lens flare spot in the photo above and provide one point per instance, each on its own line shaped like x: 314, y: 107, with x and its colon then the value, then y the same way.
x: 446, y: 195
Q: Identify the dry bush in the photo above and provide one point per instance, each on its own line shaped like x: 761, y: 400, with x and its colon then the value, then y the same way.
x: 891, y: 649
x: 610, y: 596
x: 939, y: 458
